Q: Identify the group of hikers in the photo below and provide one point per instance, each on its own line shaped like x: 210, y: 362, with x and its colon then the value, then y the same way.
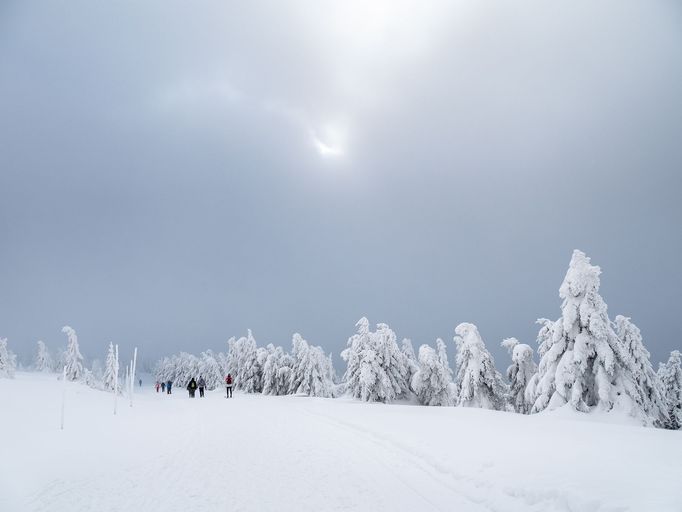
x: 192, y: 386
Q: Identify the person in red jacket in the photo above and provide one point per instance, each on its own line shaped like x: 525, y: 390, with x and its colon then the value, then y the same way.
x: 228, y: 385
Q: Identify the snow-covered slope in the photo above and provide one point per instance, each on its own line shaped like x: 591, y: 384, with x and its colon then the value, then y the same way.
x: 261, y: 453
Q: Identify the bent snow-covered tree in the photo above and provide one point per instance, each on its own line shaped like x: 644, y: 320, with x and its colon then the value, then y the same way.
x: 8, y: 361
x: 43, y: 361
x: 73, y: 360
x: 410, y: 359
x: 670, y: 374
x: 210, y: 370
x: 477, y: 381
x: 582, y: 361
x: 376, y: 368
x: 271, y: 371
x: 432, y: 383
x: 519, y: 374
x: 311, y: 374
x: 647, y: 393
x: 244, y: 352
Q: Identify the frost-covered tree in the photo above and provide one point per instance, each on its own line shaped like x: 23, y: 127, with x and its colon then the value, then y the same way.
x: 8, y: 361
x: 670, y: 375
x: 111, y: 367
x: 186, y: 368
x: 376, y: 368
x: 583, y: 363
x: 210, y: 370
x: 262, y: 356
x: 432, y: 383
x: 647, y: 395
x: 244, y: 352
x: 478, y: 383
x: 270, y: 372
x: 311, y: 374
x: 230, y: 364
x: 43, y: 361
x: 73, y: 360
x: 412, y: 364
x: 519, y: 373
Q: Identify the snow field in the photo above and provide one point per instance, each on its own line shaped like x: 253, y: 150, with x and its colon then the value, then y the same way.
x: 261, y: 453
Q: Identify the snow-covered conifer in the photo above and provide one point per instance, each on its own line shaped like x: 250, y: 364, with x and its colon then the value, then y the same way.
x: 311, y: 373
x: 582, y: 361
x: 519, y: 373
x: 43, y: 361
x: 647, y: 393
x: 285, y: 374
x: 186, y: 368
x: 73, y: 360
x: 231, y: 358
x: 110, y: 370
x: 478, y: 383
x: 8, y: 361
x: 210, y: 370
x: 432, y: 383
x: 270, y: 371
x: 376, y: 368
x: 670, y: 375
x: 245, y: 354
x: 411, y: 362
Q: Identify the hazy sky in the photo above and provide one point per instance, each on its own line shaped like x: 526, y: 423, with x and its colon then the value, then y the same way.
x: 173, y: 173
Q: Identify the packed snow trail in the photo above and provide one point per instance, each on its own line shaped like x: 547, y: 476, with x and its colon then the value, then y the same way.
x: 260, y: 453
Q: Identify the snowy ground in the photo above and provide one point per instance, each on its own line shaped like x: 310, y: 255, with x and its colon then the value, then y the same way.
x: 259, y: 453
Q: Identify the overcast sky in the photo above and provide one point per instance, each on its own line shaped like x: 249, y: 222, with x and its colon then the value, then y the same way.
x: 173, y: 173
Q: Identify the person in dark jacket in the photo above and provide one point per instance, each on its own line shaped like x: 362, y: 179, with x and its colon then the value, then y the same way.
x: 168, y: 387
x: 202, y: 385
x: 228, y: 385
x: 192, y: 387
x: 163, y: 387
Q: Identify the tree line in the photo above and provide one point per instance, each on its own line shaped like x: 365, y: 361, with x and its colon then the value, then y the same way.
x: 586, y: 362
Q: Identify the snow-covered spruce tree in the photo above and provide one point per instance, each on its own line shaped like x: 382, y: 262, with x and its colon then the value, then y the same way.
x: 43, y: 361
x: 647, y: 393
x: 246, y: 376
x: 582, y: 361
x: 478, y: 383
x: 262, y: 356
x: 73, y: 360
x: 519, y: 373
x: 8, y: 361
x: 110, y: 370
x: 270, y: 371
x: 230, y: 364
x: 161, y: 370
x: 410, y: 358
x: 311, y: 373
x: 432, y: 383
x: 285, y: 374
x: 186, y: 367
x: 670, y: 375
x: 377, y: 369
x: 210, y: 370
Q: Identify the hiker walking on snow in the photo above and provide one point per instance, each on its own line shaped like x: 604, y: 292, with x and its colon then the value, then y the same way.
x: 192, y: 387
x: 163, y: 387
x: 168, y: 386
x: 157, y: 387
x: 202, y: 385
x: 228, y: 385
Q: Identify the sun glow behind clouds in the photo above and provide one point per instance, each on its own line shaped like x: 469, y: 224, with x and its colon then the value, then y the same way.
x: 330, y: 141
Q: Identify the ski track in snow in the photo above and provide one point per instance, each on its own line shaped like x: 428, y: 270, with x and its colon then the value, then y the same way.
x: 258, y: 453
x: 479, y: 494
